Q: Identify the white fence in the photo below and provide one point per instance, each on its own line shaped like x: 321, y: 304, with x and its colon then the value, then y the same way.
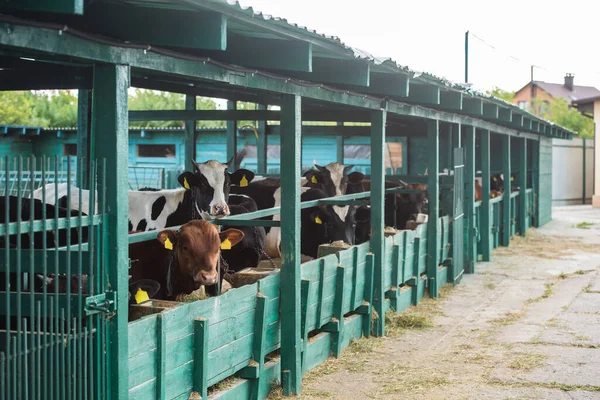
x: 568, y: 184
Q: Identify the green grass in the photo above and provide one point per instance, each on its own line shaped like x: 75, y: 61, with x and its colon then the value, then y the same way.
x: 584, y: 225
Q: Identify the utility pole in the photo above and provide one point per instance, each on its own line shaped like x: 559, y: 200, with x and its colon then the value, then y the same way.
x: 467, y: 57
x: 531, y: 83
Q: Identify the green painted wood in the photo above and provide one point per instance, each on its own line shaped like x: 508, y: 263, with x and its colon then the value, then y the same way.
x: 261, y: 143
x: 469, y: 176
x: 396, y: 272
x: 473, y: 106
x: 506, y: 203
x: 378, y: 123
x: 347, y: 72
x: 189, y: 147
x: 232, y: 136
x: 305, y: 289
x: 110, y: 136
x: 443, y: 277
x: 516, y: 120
x: 522, y: 180
x: 505, y: 114
x: 258, y: 350
x: 180, y: 28
x: 409, y: 255
x: 486, y: 227
x: 318, y: 350
x: 352, y: 330
x: 433, y: 190
x: 161, y: 358
x: 389, y: 84
x: 55, y: 263
x: 287, y: 55
x: 291, y: 138
x: 545, y: 181
x: 535, y: 165
x: 231, y: 114
x: 451, y: 100
x: 84, y: 110
x: 339, y: 148
x: 58, y: 6
x: 416, y: 276
x: 491, y: 111
x: 336, y: 341
x: 424, y: 94
x: 368, y: 312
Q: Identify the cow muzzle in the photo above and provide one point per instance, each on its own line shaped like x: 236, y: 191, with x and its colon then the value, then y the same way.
x: 206, y: 278
x: 219, y: 210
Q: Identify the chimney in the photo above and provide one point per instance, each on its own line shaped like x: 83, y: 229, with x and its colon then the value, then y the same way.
x: 569, y: 81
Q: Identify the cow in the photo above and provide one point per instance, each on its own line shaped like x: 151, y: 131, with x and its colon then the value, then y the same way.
x: 181, y: 261
x: 332, y: 179
x: 497, y: 183
x: 478, y: 190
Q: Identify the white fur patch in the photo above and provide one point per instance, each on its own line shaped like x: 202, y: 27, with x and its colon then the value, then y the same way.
x: 336, y: 170
x: 341, y: 211
x: 140, y: 207
x: 61, y: 189
x: 214, y: 172
x: 273, y: 241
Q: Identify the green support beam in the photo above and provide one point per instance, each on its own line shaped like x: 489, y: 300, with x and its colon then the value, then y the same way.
x: 522, y: 179
x: 230, y: 114
x: 535, y: 163
x: 261, y: 144
x: 471, y: 242
x: 110, y: 136
x: 158, y: 26
x: 378, y: 123
x: 232, y: 136
x: 424, y: 94
x: 56, y: 6
x: 451, y: 100
x: 289, y: 55
x: 506, y: 212
x: 527, y: 124
x: 433, y: 194
x: 45, y: 77
x: 473, y: 106
x: 339, y: 146
x: 344, y: 72
x: 189, y: 152
x: 84, y: 116
x: 395, y: 85
x: 308, y: 130
x: 490, y: 111
x: 516, y: 120
x: 486, y: 228
x: 291, y: 139
x: 505, y: 114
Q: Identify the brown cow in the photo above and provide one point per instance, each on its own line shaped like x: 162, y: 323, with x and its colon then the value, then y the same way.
x: 181, y: 261
x: 478, y: 190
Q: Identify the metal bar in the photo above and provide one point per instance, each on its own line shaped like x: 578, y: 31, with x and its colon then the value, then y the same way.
x: 232, y: 135
x: 469, y: 133
x: 486, y: 229
x: 110, y: 135
x: 378, y: 123
x: 19, y: 389
x: 40, y: 226
x: 261, y: 144
x: 161, y: 358
x: 291, y: 139
x: 189, y: 152
x: 433, y: 192
x: 83, y: 126
x: 523, y: 187
x: 506, y: 217
x: 231, y: 114
x: 339, y: 146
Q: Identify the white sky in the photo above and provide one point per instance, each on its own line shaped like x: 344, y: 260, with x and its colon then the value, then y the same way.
x: 428, y: 35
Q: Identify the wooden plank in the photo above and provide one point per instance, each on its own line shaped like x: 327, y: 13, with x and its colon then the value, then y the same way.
x: 433, y: 191
x: 486, y: 226
x: 469, y: 179
x: 142, y: 369
x: 201, y: 336
x: 336, y: 326
x: 318, y: 350
x: 522, y: 154
x: 368, y: 312
x: 161, y: 358
x: 416, y: 275
x: 305, y: 288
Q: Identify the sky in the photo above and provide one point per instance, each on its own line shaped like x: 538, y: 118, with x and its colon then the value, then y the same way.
x: 506, y: 37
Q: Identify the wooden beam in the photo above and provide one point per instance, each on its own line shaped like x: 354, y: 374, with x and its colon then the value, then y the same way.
x: 289, y: 55
x: 189, y: 148
x: 44, y: 6
x: 491, y: 111
x: 473, y: 106
x: 231, y: 136
x: 204, y: 115
x: 163, y: 27
x: 522, y: 179
x: 506, y: 209
x: 504, y: 114
x: 451, y: 100
x: 527, y: 123
x: 261, y: 144
x: 353, y: 72
x: 424, y: 94
x: 46, y: 77
x: 395, y: 85
x: 486, y: 227
x: 471, y: 248
x: 516, y: 120
x: 433, y: 193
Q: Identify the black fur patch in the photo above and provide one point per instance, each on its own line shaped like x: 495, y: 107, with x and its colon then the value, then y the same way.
x: 142, y: 225
x: 130, y: 227
x: 158, y: 207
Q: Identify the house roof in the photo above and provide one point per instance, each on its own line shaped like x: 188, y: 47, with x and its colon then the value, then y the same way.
x: 559, y: 90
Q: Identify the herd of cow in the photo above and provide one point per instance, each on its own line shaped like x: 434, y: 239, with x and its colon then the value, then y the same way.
x: 180, y: 261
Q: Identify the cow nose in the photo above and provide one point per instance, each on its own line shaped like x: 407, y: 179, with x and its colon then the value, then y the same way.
x: 220, y: 210
x: 205, y: 278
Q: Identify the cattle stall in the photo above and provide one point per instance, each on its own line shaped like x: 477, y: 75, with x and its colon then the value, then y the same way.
x: 79, y: 342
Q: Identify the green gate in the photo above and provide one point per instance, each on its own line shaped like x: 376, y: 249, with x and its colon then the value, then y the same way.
x: 54, y: 297
x: 458, y: 215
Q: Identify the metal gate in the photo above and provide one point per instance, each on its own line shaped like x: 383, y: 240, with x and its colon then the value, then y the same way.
x: 54, y: 301
x: 458, y: 216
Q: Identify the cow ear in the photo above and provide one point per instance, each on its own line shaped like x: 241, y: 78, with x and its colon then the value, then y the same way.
x: 348, y: 167
x: 313, y: 177
x: 320, y: 168
x: 318, y: 217
x: 187, y: 180
x: 167, y: 238
x: 241, y: 177
x: 234, y: 236
x: 355, y: 177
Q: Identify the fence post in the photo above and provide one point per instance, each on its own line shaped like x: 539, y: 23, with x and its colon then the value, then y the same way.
x: 261, y: 145
x: 291, y: 139
x: 83, y: 133
x: 523, y: 186
x: 189, y: 152
x: 339, y: 146
x: 486, y: 231
x: 110, y: 136
x: 378, y: 122
x: 433, y: 193
x: 469, y: 132
x: 506, y: 228
x: 232, y: 137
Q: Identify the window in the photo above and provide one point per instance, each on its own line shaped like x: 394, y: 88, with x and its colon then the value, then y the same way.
x: 523, y: 105
x: 156, y: 150
x: 70, y: 149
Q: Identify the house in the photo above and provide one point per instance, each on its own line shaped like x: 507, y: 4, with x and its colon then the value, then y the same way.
x: 545, y: 91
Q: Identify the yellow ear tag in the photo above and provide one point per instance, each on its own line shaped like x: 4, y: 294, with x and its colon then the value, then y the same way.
x: 243, y: 181
x: 168, y: 244
x: 185, y: 183
x: 512, y: 178
x: 141, y: 296
x: 318, y: 221
x: 495, y: 179
x: 226, y: 244
x: 314, y: 179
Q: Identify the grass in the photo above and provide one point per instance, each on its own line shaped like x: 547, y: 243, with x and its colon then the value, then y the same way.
x: 507, y: 319
x: 587, y: 289
x: 527, y: 361
x: 400, y: 378
x: 562, y: 275
x: 584, y: 225
x: 543, y: 385
x: 490, y: 286
x: 580, y: 272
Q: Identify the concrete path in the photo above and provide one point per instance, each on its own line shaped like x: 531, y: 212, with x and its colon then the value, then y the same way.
x: 525, y: 326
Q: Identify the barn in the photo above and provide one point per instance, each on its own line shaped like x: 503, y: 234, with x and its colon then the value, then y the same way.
x: 442, y: 135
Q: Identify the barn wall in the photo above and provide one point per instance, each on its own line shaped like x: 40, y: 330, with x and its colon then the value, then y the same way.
x: 417, y: 156
x: 545, y: 192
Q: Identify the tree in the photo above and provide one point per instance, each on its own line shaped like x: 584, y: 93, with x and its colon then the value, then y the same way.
x: 560, y: 112
x: 502, y: 94
x: 55, y: 109
x: 16, y: 108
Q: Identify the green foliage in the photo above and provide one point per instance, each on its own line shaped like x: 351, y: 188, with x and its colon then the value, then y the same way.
x: 55, y: 109
x: 16, y: 108
x: 559, y: 112
x: 502, y: 94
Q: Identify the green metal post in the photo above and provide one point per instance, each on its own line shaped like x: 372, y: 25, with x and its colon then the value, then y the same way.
x: 469, y: 133
x: 83, y: 135
x: 455, y: 142
x: 339, y: 142
x: 486, y: 228
x: 190, y: 134
x: 110, y: 136
x: 291, y: 125
x: 535, y: 163
x: 261, y: 145
x: 433, y: 193
x: 505, y: 240
x: 523, y: 187
x: 583, y: 194
x: 467, y: 57
x: 378, y: 121
x: 232, y: 136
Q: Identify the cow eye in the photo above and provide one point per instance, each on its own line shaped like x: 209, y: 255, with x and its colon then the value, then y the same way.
x: 184, y: 248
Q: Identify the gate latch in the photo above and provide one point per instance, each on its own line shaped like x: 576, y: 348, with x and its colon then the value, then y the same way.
x: 101, y: 303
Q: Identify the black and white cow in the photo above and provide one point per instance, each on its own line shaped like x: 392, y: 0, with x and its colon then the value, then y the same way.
x: 332, y: 179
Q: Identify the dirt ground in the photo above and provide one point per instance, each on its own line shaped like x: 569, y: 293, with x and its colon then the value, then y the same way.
x: 525, y: 326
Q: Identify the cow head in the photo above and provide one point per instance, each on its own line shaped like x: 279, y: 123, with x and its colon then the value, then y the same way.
x: 335, y: 223
x: 196, y: 246
x: 497, y: 182
x: 332, y: 178
x: 210, y: 183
